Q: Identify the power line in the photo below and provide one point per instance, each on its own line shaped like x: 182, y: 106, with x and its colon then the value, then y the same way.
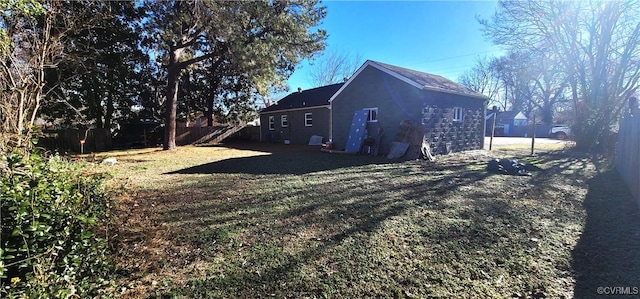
x: 455, y: 57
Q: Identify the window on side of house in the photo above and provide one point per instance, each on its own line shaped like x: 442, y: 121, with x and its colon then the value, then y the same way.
x: 272, y: 122
x: 457, y: 114
x: 373, y: 114
x: 308, y: 120
x: 284, y: 121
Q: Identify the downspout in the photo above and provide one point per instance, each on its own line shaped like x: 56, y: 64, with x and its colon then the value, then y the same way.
x: 330, y: 120
x: 484, y: 117
x: 261, y: 127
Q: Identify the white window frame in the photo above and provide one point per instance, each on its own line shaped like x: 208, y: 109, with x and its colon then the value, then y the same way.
x: 369, y: 115
x: 272, y: 122
x: 284, y: 121
x: 308, y: 119
x: 458, y: 114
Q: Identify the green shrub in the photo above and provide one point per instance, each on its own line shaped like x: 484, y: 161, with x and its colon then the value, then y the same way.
x: 51, y: 212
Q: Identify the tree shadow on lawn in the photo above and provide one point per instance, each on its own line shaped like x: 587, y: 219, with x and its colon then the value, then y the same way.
x: 608, y: 252
x: 314, y: 219
x: 282, y: 159
x: 276, y: 235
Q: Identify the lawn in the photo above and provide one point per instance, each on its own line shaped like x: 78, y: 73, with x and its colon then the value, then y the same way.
x: 253, y: 221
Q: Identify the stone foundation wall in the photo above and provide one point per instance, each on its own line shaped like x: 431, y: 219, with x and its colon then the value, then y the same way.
x: 446, y: 136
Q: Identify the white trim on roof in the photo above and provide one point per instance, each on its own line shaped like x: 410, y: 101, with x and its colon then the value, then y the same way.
x: 481, y: 96
x: 402, y: 78
x: 295, y: 109
x: 379, y: 67
x: 520, y: 115
x: 396, y: 75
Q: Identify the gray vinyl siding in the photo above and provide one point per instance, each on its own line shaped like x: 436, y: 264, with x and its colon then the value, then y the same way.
x: 296, y: 132
x: 396, y: 101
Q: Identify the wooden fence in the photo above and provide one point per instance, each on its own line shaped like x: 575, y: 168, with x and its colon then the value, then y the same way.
x: 215, y: 134
x: 77, y: 141
x: 628, y: 152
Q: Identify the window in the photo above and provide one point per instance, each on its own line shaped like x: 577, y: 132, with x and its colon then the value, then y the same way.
x: 308, y: 120
x: 272, y: 122
x: 457, y: 114
x: 284, y: 121
x: 373, y: 114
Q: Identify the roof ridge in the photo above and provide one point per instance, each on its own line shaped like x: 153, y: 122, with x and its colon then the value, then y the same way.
x: 408, y: 69
x: 308, y: 98
x: 418, y: 76
x: 323, y: 86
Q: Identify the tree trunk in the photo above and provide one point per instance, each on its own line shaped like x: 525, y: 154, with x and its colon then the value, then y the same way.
x: 108, y: 116
x: 172, y: 100
x: 211, y: 100
x: 209, y: 112
x: 547, y: 113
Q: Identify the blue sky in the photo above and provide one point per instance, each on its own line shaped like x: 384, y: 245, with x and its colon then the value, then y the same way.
x: 438, y: 37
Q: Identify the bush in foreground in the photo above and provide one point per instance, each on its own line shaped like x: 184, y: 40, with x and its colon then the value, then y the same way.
x: 51, y: 212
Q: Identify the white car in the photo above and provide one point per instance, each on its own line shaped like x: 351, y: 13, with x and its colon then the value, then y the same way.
x: 560, y: 132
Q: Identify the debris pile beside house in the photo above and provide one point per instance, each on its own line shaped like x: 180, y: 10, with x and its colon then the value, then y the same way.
x: 410, y: 142
x: 508, y: 166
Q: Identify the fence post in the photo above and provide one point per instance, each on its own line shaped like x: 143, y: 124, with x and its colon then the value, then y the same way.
x: 533, y: 134
x: 493, y: 125
x: 628, y: 151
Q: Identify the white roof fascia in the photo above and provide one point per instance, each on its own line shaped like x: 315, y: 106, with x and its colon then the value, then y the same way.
x: 375, y: 65
x: 349, y: 81
x: 399, y: 77
x: 520, y: 115
x: 480, y: 96
x: 296, y: 109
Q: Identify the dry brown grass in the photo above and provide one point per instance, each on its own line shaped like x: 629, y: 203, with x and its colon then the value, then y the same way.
x: 259, y: 220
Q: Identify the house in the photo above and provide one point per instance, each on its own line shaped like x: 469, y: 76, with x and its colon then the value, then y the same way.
x: 508, y: 123
x: 453, y: 116
x: 298, y: 116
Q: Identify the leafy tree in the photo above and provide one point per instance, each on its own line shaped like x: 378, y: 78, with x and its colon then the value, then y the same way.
x: 25, y: 50
x: 33, y: 36
x: 597, y: 45
x: 102, y: 77
x: 266, y: 40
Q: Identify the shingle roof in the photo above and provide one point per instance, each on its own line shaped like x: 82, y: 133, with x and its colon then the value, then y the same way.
x: 503, y: 115
x: 318, y: 96
x: 507, y: 114
x: 430, y: 81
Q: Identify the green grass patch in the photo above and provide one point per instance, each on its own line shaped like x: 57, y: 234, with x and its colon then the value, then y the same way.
x: 285, y: 221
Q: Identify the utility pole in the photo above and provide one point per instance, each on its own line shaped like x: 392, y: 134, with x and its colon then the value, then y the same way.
x: 493, y: 125
x: 533, y: 134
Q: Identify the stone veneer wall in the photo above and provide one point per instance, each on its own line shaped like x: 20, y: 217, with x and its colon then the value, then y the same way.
x: 446, y: 136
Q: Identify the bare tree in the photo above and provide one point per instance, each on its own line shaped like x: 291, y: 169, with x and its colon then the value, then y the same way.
x: 31, y: 42
x: 549, y: 86
x: 483, y: 79
x: 333, y: 67
x: 597, y: 45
